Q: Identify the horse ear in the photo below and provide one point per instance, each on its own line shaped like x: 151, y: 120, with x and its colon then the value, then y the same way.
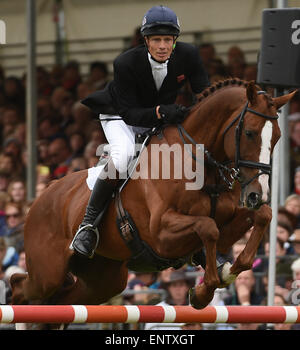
x: 282, y: 100
x: 251, y: 92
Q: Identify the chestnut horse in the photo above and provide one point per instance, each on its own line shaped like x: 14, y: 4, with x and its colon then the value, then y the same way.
x: 237, y: 124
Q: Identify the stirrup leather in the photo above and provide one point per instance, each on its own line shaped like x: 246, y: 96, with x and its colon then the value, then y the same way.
x: 92, y: 228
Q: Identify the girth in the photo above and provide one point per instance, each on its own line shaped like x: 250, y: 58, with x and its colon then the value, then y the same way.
x: 143, y: 257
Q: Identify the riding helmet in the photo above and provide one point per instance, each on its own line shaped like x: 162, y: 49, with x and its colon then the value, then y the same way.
x: 160, y: 20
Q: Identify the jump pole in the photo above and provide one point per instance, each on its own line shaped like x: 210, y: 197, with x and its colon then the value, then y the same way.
x: 145, y: 313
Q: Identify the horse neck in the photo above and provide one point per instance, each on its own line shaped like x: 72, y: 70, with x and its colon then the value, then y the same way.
x: 207, y: 121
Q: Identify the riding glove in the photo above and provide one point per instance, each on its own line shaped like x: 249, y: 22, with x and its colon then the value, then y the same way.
x: 172, y: 114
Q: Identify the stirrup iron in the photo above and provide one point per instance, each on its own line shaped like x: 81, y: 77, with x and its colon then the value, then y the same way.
x: 92, y: 228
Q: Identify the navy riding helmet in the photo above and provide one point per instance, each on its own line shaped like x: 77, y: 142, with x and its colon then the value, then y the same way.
x: 160, y: 20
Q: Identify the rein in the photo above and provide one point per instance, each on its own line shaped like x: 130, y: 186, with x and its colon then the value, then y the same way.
x: 234, y: 172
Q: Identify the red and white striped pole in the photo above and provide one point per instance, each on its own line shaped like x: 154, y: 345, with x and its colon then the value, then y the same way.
x: 142, y: 314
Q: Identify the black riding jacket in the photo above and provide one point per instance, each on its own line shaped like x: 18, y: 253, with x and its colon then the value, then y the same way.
x: 133, y: 94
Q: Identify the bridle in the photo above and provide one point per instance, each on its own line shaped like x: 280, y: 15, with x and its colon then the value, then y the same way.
x: 234, y: 172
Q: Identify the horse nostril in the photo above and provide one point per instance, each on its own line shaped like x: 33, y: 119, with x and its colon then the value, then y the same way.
x: 253, y: 200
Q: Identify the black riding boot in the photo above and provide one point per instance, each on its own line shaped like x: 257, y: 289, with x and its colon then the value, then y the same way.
x: 87, y: 237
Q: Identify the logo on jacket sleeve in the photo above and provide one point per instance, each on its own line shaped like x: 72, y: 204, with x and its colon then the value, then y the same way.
x: 180, y: 78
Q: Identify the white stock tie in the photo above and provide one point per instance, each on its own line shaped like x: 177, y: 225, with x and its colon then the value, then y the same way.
x: 159, y: 71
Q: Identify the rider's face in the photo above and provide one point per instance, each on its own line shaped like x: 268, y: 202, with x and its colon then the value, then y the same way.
x: 160, y: 46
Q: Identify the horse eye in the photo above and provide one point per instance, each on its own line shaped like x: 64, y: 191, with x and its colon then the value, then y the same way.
x: 249, y: 133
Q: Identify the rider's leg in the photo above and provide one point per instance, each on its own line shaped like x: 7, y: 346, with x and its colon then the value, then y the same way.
x: 121, y: 140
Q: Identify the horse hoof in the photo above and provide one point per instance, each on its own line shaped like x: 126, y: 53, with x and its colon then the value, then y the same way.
x: 194, y: 300
x: 225, y: 276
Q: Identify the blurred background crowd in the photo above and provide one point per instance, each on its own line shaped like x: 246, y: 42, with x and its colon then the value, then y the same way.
x: 68, y: 136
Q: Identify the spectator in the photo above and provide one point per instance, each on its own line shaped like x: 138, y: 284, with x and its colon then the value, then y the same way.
x: 192, y: 326
x: 295, y: 241
x: 43, y: 174
x: 65, y: 114
x: 77, y: 164
x: 60, y: 153
x: 295, y: 146
x: 287, y: 217
x: 283, y: 262
x: 90, y: 151
x: 294, y: 104
x: 236, y: 63
x: 40, y: 188
x: 283, y: 232
x: 17, y: 191
x: 207, y: 53
x: 292, y: 204
x: 3, y: 249
x: 250, y: 72
x: 14, y: 214
x: 71, y: 77
x: 295, y: 267
x: 244, y: 291
x: 56, y: 75
x: 247, y: 326
x: 83, y: 90
x: 137, y: 38
x: 13, y: 147
x: 22, y: 259
x: 44, y: 87
x: 4, y: 179
x: 43, y: 152
x: 49, y: 129
x: 82, y: 120
x: 59, y: 97
x: 4, y: 198
x: 92, y: 161
x: 20, y: 135
x: 141, y: 281
x: 44, y: 108
x: 11, y: 117
x: 14, y: 92
x: 98, y: 76
x: 296, y: 184
x: 98, y: 136
x: 8, y: 164
x: 77, y: 144
x: 177, y: 288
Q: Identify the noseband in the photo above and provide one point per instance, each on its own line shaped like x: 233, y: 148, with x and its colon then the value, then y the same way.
x: 234, y: 172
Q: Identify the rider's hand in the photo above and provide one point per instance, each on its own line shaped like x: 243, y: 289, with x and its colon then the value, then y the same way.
x: 172, y: 114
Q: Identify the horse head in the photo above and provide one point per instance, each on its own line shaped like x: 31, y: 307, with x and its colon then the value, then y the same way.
x: 249, y: 140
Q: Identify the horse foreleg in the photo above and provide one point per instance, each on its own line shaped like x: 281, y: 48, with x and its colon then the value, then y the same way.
x: 183, y: 234
x: 201, y: 295
x: 235, y: 230
x: 262, y: 219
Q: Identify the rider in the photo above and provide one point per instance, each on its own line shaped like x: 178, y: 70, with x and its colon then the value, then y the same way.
x: 146, y: 81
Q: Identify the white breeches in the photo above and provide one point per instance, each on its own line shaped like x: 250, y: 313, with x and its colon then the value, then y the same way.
x: 121, y: 139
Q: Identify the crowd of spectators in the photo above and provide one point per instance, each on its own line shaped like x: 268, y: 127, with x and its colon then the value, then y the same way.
x: 67, y: 139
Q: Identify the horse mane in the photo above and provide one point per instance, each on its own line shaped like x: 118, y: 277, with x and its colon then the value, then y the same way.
x: 226, y: 83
